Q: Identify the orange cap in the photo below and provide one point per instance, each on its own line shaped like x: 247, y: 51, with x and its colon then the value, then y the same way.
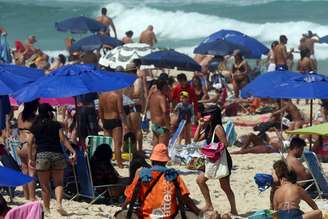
x: 160, y: 153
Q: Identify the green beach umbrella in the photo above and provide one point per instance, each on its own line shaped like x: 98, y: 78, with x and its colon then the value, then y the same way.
x: 321, y: 129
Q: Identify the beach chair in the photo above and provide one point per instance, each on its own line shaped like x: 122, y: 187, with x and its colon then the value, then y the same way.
x: 8, y: 161
x: 319, y: 178
x: 84, y: 182
x: 175, y: 138
x: 231, y: 133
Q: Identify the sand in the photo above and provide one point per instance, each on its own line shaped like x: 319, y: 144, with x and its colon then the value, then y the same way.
x: 247, y: 195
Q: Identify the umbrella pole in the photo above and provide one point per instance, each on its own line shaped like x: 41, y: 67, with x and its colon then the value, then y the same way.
x: 311, y: 118
x: 77, y: 124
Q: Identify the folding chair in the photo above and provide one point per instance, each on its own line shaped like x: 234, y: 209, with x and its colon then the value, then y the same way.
x: 319, y: 178
x: 11, y: 146
x: 84, y: 174
x: 231, y: 133
x: 175, y: 138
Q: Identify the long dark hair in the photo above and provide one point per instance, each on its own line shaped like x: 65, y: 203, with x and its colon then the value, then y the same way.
x: 29, y: 111
x: 216, y: 119
x: 42, y: 121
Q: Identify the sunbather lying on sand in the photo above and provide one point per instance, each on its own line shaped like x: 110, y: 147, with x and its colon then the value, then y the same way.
x: 258, y: 144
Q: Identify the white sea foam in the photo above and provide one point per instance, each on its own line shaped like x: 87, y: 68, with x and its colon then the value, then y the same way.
x: 179, y: 25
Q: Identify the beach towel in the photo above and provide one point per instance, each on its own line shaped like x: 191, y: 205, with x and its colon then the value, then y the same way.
x: 5, y: 55
x: 32, y: 210
x: 231, y: 133
x: 263, y: 181
x: 263, y: 214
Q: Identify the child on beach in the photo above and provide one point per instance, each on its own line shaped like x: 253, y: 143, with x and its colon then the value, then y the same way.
x: 185, y: 111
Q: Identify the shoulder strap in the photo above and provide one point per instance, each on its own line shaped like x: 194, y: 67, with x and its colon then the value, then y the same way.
x: 152, y: 186
x: 180, y: 202
x: 213, y: 135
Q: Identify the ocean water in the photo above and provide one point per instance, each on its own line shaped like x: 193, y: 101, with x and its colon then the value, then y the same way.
x: 179, y: 24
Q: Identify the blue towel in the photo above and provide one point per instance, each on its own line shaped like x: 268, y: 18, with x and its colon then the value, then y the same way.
x: 5, y: 55
x: 169, y: 173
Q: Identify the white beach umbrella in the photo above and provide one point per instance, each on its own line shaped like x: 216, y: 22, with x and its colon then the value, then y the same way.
x: 123, y: 55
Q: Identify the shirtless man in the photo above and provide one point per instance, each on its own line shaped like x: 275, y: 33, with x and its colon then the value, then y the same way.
x: 295, y: 151
x: 128, y: 37
x: 29, y: 47
x: 292, y: 112
x: 148, y: 36
x: 158, y: 108
x: 281, y: 55
x: 308, y: 40
x: 113, y: 118
x: 107, y: 21
x: 288, y: 196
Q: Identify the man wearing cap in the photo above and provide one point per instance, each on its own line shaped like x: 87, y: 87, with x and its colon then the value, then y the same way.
x: 157, y: 191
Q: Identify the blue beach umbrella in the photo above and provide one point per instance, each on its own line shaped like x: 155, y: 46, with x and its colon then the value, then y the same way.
x: 14, y: 77
x: 324, y: 39
x: 96, y: 41
x: 73, y: 80
x: 235, y: 37
x: 13, y: 178
x: 304, y: 86
x: 220, y: 47
x: 265, y: 82
x: 171, y: 59
x: 80, y: 24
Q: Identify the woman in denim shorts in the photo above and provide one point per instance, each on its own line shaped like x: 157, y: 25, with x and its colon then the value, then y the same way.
x: 49, y: 161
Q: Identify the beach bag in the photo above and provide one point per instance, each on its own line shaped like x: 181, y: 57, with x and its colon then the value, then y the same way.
x: 213, y: 150
x: 263, y: 181
x: 218, y: 169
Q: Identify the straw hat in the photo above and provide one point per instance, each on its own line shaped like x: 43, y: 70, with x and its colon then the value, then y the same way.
x: 160, y: 153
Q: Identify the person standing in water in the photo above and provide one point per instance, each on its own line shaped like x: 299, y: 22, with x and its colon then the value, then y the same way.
x: 107, y: 21
x: 148, y: 36
x: 281, y: 55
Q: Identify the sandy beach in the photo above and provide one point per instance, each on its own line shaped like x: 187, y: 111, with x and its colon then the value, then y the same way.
x: 248, y: 197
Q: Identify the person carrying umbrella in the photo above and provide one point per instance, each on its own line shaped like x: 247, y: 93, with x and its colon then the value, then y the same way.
x: 107, y: 21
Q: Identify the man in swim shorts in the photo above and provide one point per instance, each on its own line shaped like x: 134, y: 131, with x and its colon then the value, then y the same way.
x: 113, y: 118
x: 157, y: 107
x: 281, y: 55
x: 107, y: 21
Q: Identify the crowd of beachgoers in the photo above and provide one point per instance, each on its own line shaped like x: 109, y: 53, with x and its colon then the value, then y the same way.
x: 133, y: 128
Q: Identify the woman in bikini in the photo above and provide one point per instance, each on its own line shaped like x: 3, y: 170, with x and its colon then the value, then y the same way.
x: 239, y: 73
x: 199, y: 91
x: 25, y: 120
